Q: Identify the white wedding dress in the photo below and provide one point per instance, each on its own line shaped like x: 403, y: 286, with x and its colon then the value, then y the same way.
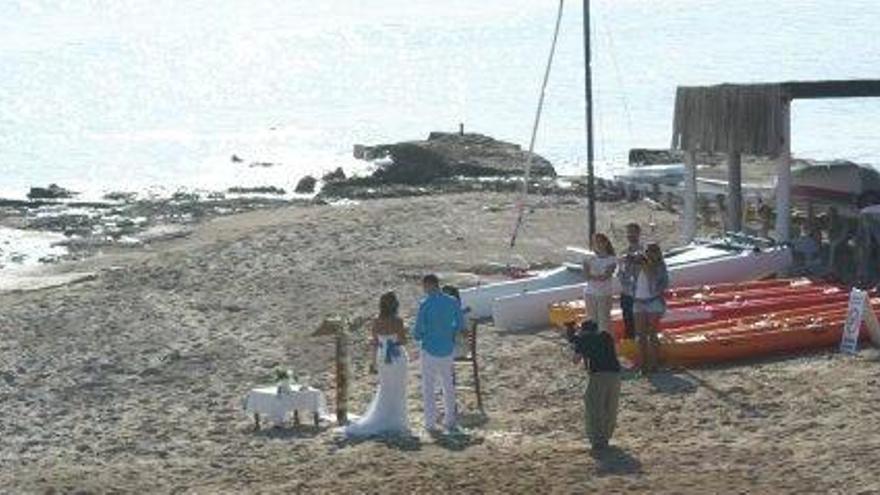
x: 387, y: 412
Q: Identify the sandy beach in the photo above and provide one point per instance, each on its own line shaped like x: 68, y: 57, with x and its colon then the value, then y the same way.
x: 131, y: 381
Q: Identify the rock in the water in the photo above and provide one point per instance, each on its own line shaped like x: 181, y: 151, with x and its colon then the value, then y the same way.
x: 120, y: 196
x: 452, y: 154
x: 185, y: 196
x: 306, y: 185
x: 644, y: 156
x: 236, y: 159
x: 257, y: 190
x: 54, y: 191
x: 334, y: 176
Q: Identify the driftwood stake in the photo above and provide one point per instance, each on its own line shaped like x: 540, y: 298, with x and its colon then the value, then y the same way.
x: 341, y: 330
x: 343, y: 369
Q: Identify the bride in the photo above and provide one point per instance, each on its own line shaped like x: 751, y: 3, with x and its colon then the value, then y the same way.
x: 387, y: 412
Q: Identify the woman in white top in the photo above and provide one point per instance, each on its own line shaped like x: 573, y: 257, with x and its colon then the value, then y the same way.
x: 649, y: 305
x: 599, y: 270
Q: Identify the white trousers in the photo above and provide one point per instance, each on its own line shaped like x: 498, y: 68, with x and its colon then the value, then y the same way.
x: 433, y: 368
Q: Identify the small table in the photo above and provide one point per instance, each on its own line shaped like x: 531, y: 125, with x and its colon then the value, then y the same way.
x: 268, y: 402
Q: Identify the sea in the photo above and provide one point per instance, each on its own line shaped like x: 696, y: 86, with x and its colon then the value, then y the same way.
x: 158, y: 95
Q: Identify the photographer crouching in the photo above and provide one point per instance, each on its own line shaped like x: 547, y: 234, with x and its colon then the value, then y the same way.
x: 601, y: 397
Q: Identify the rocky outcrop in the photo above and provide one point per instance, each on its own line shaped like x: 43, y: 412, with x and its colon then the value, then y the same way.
x: 445, y: 155
x: 54, y: 191
x: 334, y: 176
x: 306, y: 185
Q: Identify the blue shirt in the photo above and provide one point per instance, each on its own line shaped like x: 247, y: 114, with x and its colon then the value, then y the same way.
x: 440, y: 318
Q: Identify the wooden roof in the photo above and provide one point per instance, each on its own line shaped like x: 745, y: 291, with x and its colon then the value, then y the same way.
x: 749, y: 118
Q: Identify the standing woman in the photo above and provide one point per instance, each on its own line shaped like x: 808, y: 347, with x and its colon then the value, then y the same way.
x: 599, y: 270
x: 649, y: 305
x: 386, y: 414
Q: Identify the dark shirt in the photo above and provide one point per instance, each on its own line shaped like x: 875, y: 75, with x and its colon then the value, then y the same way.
x: 597, y: 348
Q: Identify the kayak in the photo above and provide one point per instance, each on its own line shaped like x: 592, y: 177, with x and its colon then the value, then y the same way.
x: 813, y: 332
x: 803, y: 329
x: 716, y: 302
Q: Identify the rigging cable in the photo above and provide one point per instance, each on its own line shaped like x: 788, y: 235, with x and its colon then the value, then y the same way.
x: 606, y: 27
x: 521, y: 202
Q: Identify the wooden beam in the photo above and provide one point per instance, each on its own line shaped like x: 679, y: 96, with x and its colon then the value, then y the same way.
x: 689, y: 225
x: 734, y: 192
x: 783, y: 182
x: 860, y: 88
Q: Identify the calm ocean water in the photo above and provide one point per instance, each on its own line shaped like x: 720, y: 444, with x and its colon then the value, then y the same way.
x: 129, y: 95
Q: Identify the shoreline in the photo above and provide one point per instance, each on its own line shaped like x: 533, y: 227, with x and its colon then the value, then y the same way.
x: 69, y: 230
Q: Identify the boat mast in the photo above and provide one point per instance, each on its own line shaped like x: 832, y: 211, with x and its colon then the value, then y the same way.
x: 588, y: 93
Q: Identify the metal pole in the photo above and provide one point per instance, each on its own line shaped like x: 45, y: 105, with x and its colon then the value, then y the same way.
x: 588, y: 92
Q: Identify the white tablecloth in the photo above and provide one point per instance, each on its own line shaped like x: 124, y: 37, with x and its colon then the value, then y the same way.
x: 277, y: 407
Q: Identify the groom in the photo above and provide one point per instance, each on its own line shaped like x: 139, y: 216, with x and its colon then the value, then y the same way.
x: 439, y: 319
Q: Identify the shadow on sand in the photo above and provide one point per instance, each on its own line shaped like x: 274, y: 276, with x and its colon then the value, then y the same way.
x: 405, y: 443
x: 289, y: 433
x: 473, y: 419
x: 614, y: 460
x: 457, y: 441
x: 726, y: 397
x: 671, y: 383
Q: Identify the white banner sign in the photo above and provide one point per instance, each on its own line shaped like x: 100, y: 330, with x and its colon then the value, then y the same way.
x: 849, y: 341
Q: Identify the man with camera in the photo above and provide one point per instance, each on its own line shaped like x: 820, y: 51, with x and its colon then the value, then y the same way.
x: 602, y: 394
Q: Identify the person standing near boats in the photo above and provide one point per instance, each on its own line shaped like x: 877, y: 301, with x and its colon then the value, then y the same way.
x: 602, y: 395
x: 599, y: 270
x: 626, y: 276
x: 649, y: 305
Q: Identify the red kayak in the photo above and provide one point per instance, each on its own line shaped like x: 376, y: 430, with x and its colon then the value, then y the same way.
x: 744, y: 304
x: 749, y: 340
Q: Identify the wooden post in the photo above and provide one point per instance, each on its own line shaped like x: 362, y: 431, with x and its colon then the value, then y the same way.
x: 343, y: 366
x: 783, y: 181
x: 723, y: 220
x: 811, y: 217
x: 689, y: 225
x: 734, y: 191
x: 765, y: 214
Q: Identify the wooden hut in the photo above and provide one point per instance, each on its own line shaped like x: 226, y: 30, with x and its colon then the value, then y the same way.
x: 754, y: 119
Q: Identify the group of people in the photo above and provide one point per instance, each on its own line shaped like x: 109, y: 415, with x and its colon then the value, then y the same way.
x: 642, y: 275
x: 641, y: 272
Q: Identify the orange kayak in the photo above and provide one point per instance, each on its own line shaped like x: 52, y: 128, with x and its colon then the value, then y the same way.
x: 697, y: 309
x: 684, y: 292
x: 722, y: 314
x: 778, y: 333
x: 816, y: 332
x: 758, y: 320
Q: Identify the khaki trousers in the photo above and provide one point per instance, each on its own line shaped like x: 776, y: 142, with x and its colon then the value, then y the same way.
x: 600, y: 405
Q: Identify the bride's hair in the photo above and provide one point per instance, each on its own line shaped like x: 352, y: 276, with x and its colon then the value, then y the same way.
x: 388, y: 305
